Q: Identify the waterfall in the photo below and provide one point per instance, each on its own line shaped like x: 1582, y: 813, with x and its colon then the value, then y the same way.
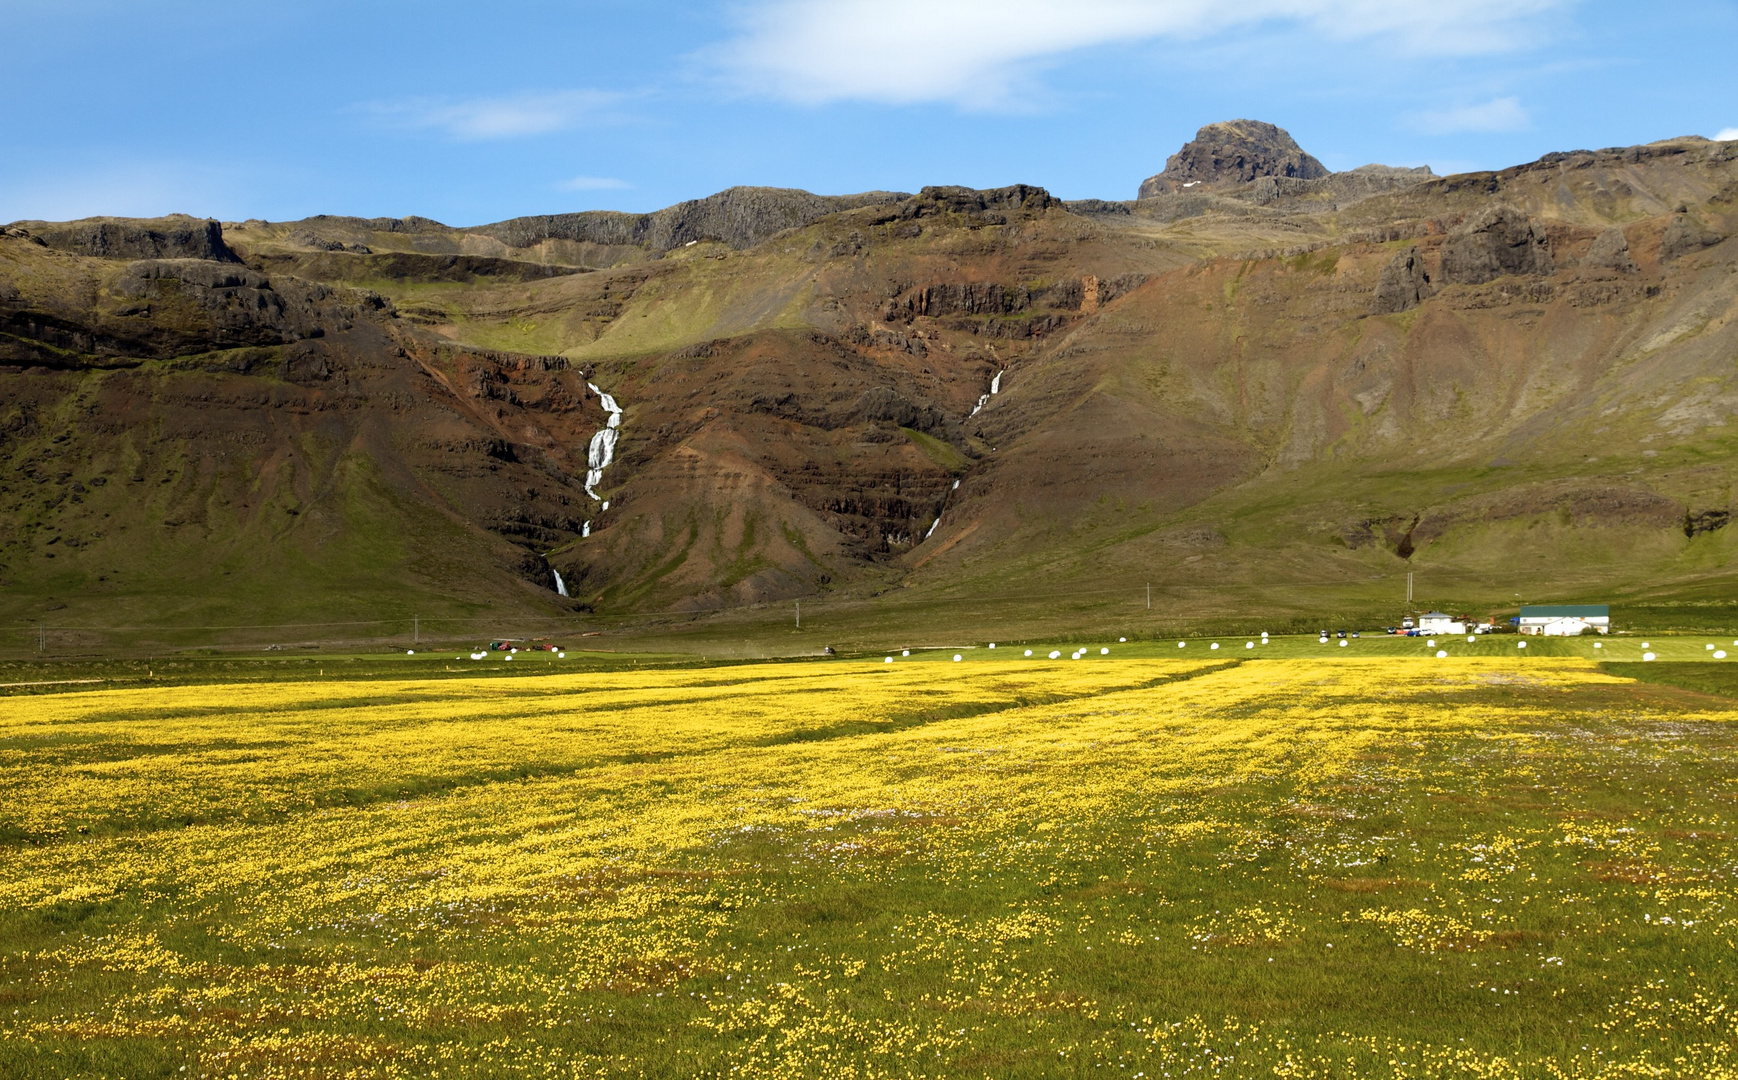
x: 602, y: 450
x: 984, y: 399
x: 560, y: 585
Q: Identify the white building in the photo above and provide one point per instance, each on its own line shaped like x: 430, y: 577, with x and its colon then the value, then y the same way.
x: 1564, y: 620
x: 1436, y: 622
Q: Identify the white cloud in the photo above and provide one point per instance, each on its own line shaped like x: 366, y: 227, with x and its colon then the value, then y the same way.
x: 1498, y: 114
x: 509, y: 117
x: 974, y: 52
x: 1727, y: 135
x: 593, y: 183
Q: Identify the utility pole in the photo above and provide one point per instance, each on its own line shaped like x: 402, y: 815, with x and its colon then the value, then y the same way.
x: 1409, y: 587
x: 41, y: 637
x: 799, y: 614
x: 1149, y: 596
x: 416, y: 630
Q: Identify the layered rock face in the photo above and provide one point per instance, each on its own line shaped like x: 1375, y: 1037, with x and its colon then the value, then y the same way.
x: 740, y: 217
x: 1496, y: 241
x: 175, y: 237
x: 1233, y: 152
x: 1404, y: 284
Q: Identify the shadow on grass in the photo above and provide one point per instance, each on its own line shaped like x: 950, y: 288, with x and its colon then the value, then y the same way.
x: 1701, y: 677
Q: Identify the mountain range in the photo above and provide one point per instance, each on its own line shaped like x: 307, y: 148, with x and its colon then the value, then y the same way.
x: 1260, y: 389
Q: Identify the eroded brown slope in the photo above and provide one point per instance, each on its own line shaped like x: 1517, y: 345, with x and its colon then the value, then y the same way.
x: 1522, y: 374
x: 1278, y: 383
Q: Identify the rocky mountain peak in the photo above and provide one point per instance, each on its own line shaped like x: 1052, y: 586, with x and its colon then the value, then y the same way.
x: 1233, y: 152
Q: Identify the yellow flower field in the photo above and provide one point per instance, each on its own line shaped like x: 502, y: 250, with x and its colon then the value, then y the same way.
x: 1123, y: 867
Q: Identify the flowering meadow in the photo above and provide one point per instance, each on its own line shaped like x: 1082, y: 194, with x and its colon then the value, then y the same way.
x: 1134, y: 867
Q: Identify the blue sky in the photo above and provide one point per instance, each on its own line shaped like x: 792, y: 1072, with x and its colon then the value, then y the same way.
x: 470, y: 112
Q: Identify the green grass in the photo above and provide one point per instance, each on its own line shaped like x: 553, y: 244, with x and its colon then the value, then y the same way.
x: 936, y: 450
x: 434, y: 661
x: 1703, y: 678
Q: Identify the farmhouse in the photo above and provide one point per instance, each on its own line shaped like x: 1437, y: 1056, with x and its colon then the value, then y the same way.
x: 1436, y: 622
x: 1564, y: 620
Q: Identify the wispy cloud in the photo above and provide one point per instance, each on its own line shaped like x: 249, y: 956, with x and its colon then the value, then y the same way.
x: 975, y: 52
x: 1496, y: 115
x: 511, y: 117
x: 593, y: 183
x: 1727, y: 135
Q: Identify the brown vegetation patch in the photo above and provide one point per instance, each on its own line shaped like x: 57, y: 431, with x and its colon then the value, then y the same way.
x: 458, y: 1016
x: 641, y: 974
x: 1100, y: 890
x: 606, y: 885
x: 315, y: 1052
x: 1635, y: 873
x: 1318, y: 812
x: 1373, y: 885
x: 305, y: 979
x: 1509, y: 939
x: 1059, y: 1001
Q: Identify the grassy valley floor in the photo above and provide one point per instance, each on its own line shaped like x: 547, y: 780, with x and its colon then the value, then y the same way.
x: 1285, y: 860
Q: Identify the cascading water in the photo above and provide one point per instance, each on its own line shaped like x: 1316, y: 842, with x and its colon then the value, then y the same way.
x: 598, y: 456
x: 995, y: 388
x: 937, y: 521
x: 983, y: 399
x: 603, y: 445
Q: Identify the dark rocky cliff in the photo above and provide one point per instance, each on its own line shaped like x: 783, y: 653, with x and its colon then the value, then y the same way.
x: 1234, y: 152
x: 174, y: 237
x: 740, y: 217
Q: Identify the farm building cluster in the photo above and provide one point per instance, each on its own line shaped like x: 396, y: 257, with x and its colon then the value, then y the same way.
x: 1549, y: 620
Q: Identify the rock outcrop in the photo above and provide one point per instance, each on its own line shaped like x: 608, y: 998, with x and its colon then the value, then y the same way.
x: 1404, y: 284
x: 1685, y: 234
x: 739, y: 216
x: 310, y: 239
x: 1496, y: 241
x: 175, y: 237
x: 1015, y: 198
x: 228, y: 305
x: 1234, y: 152
x: 162, y: 308
x: 1610, y: 251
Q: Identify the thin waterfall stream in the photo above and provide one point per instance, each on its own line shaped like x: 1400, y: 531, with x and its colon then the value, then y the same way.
x: 601, y: 452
